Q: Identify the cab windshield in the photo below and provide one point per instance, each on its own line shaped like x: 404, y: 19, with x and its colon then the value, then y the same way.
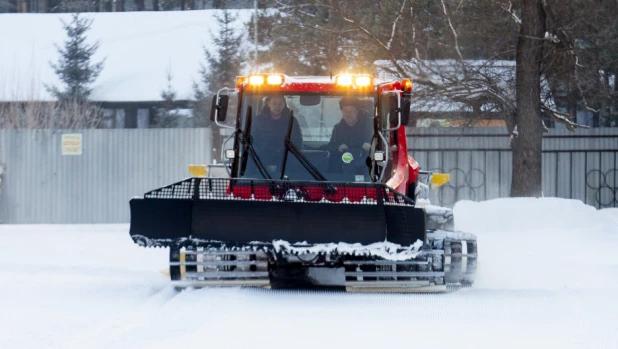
x: 333, y: 132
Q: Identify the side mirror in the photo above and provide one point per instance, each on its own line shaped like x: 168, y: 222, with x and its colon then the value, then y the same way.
x: 219, y: 108
x: 405, y: 111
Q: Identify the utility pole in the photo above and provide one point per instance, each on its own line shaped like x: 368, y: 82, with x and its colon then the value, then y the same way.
x: 255, y: 35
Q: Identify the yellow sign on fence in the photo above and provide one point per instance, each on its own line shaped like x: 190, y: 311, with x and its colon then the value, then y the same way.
x: 72, y: 144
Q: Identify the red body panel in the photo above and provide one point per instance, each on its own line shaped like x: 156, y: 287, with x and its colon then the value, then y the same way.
x: 405, y: 168
x: 314, y: 194
x: 325, y: 86
x: 413, y: 170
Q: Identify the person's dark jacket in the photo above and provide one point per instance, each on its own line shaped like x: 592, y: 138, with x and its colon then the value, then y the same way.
x: 268, y: 135
x: 352, y: 136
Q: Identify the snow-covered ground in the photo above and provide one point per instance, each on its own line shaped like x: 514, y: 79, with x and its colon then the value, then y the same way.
x: 548, y: 278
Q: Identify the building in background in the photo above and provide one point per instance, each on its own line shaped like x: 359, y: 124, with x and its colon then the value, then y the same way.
x: 139, y: 48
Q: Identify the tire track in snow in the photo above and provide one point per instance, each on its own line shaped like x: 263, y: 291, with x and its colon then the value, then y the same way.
x: 117, y: 327
x: 248, y: 316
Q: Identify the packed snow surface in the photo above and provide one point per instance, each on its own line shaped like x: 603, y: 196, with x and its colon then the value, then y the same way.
x: 548, y: 278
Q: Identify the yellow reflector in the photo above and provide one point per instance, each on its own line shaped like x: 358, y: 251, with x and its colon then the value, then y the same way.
x: 197, y: 170
x: 363, y: 81
x: 256, y: 80
x: 240, y: 80
x: 183, y: 268
x: 344, y: 80
x: 274, y: 80
x: 439, y: 179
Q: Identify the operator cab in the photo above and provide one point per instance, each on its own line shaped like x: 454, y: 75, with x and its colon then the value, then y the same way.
x: 295, y: 129
x: 315, y: 116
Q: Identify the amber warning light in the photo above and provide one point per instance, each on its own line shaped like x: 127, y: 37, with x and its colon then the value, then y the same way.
x: 407, y: 85
x: 354, y: 80
x: 274, y: 80
x: 240, y: 80
x: 262, y: 79
x: 256, y: 80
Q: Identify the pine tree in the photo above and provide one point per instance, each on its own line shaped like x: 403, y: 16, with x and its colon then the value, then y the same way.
x: 221, y: 67
x: 74, y: 67
x: 167, y: 116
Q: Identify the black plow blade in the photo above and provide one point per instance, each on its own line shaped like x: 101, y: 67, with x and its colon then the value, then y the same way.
x: 203, y: 212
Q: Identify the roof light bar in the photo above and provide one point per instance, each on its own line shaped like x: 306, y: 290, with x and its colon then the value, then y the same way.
x: 363, y: 81
x: 256, y: 80
x: 344, y: 80
x: 268, y: 79
x: 274, y: 79
x: 354, y: 80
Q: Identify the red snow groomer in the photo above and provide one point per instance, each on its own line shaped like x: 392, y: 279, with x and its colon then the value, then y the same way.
x: 318, y: 189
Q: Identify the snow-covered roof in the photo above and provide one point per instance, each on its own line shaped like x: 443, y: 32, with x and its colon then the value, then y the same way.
x: 139, y: 48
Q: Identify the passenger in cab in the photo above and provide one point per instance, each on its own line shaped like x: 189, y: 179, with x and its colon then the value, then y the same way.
x: 355, y: 129
x: 269, y: 129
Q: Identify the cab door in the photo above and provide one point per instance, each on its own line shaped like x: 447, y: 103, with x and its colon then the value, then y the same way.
x: 386, y: 143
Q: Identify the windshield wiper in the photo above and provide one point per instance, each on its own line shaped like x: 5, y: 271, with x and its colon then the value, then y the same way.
x: 247, y: 141
x: 292, y: 148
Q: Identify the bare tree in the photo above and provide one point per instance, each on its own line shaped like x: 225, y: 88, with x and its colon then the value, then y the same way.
x: 582, y: 60
x: 479, y: 82
x: 481, y: 57
x: 527, y: 147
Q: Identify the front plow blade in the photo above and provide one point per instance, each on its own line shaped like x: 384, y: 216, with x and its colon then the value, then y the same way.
x: 232, y: 213
x: 267, y: 233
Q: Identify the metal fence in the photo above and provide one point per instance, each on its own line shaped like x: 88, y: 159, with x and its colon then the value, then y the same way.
x: 579, y: 165
x: 41, y: 185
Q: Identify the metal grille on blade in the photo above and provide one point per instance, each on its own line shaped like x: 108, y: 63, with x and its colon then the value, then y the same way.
x: 180, y: 190
x: 277, y: 190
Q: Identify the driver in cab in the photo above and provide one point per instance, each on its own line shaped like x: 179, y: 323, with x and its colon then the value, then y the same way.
x: 270, y: 128
x: 355, y: 129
